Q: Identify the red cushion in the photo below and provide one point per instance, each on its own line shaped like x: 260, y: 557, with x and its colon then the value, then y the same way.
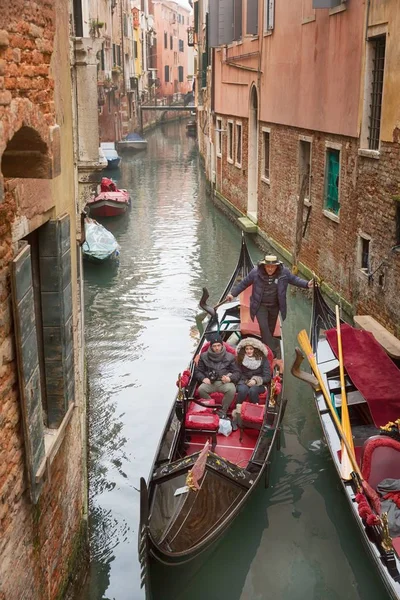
x: 252, y: 413
x: 196, y: 409
x: 202, y: 421
x: 396, y: 545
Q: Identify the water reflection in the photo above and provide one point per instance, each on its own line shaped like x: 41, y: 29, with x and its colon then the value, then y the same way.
x: 293, y: 538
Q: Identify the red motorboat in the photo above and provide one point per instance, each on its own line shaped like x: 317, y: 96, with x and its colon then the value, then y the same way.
x: 110, y: 202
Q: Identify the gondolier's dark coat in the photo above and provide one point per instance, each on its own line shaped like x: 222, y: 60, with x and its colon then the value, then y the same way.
x: 227, y: 365
x: 257, y: 277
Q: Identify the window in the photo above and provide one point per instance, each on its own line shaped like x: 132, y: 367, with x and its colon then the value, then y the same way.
x: 175, y: 58
x: 165, y: 39
x: 230, y: 142
x: 238, y: 153
x: 265, y: 154
x: 252, y: 17
x: 166, y: 73
x: 332, y: 180
x: 397, y: 223
x: 376, y: 92
x: 218, y: 136
x: 269, y: 13
x: 42, y: 308
x: 237, y: 20
x: 181, y: 46
x: 180, y: 74
x: 305, y: 167
x: 364, y: 252
x: 171, y: 42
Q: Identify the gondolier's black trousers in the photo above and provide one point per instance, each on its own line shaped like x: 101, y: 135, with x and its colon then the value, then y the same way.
x: 267, y: 318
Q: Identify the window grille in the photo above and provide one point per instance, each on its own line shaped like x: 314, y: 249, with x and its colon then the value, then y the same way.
x: 376, y: 93
x: 238, y: 144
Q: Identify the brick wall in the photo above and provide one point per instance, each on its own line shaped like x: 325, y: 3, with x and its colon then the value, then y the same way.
x: 329, y: 248
x: 37, y: 542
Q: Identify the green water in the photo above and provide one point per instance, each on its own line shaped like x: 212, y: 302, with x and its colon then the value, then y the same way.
x: 296, y: 540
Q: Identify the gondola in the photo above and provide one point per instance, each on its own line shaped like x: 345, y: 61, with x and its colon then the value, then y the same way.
x: 372, y: 388
x: 179, y: 521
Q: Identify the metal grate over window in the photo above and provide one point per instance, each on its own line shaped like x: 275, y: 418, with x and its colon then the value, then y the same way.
x: 376, y: 93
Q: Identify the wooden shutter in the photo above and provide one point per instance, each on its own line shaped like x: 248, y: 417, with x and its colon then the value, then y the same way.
x: 28, y: 365
x: 221, y: 19
x: 252, y: 17
x: 56, y: 296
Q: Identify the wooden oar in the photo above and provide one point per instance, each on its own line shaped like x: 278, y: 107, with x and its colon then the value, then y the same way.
x: 346, y: 467
x: 305, y: 344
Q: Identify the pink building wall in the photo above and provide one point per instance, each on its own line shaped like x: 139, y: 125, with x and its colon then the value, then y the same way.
x: 168, y: 22
x: 325, y: 96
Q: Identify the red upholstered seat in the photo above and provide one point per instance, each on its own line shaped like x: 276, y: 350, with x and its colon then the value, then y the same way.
x: 197, y: 409
x: 252, y: 413
x: 396, y: 545
x: 202, y: 422
x: 380, y: 459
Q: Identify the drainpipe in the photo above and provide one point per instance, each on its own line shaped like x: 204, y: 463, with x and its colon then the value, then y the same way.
x: 122, y: 50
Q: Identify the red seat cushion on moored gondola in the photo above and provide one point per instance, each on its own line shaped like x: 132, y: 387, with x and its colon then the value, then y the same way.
x: 202, y: 421
x: 396, y: 545
x: 197, y: 409
x: 252, y: 413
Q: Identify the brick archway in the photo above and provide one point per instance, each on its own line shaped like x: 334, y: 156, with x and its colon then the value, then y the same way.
x: 29, y: 147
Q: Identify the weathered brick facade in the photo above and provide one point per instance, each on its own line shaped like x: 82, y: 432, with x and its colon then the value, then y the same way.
x: 330, y: 249
x: 38, y: 541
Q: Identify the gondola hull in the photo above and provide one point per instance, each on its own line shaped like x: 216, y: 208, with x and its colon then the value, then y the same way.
x: 182, y: 523
x: 385, y: 559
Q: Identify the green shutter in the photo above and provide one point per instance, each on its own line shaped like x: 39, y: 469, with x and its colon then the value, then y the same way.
x: 56, y: 295
x: 28, y: 365
x: 332, y: 184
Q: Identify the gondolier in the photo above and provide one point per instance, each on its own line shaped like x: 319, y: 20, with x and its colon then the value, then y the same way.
x: 270, y: 279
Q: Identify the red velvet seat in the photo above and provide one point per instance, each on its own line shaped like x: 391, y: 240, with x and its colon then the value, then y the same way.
x: 197, y: 409
x: 396, y: 545
x: 252, y: 413
x: 380, y: 459
x: 203, y: 423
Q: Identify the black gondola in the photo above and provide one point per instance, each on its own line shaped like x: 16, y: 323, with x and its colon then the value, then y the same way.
x: 178, y: 521
x: 376, y: 445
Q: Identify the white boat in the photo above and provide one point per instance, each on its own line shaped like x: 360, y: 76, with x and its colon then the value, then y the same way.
x: 111, y: 155
x: 133, y: 141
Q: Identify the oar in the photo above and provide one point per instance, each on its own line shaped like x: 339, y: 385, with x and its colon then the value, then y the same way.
x: 346, y: 462
x: 369, y: 491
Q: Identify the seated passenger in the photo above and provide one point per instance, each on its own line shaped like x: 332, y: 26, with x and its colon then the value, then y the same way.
x: 217, y: 371
x: 252, y: 358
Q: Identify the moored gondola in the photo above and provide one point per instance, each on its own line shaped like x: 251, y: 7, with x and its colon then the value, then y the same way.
x: 201, y: 479
x: 370, y: 388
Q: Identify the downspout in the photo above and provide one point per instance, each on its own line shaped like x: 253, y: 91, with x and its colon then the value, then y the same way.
x: 260, y: 36
x: 122, y: 50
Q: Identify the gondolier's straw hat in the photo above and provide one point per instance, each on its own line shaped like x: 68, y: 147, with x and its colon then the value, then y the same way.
x: 269, y: 259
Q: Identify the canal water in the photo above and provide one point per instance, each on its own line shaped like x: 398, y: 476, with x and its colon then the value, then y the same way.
x: 296, y: 540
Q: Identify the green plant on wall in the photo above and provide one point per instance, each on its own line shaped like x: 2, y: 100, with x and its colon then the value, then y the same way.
x: 95, y: 27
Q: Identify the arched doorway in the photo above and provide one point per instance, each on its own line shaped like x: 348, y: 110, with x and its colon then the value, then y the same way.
x: 252, y: 170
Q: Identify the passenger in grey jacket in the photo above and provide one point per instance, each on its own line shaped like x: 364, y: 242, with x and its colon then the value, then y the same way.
x: 270, y: 280
x: 217, y: 371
